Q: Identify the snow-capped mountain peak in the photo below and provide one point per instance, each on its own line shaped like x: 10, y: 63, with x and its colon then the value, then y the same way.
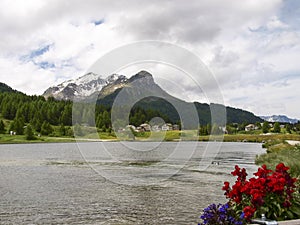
x: 87, y: 78
x: 279, y: 118
x: 81, y: 87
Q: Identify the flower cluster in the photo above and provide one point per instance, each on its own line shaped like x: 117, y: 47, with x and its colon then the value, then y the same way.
x: 220, y: 214
x: 270, y: 192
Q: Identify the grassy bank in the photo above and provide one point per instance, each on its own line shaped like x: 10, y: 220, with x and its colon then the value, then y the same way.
x: 15, y: 139
x: 280, y: 151
x: 174, y: 135
x: 261, y: 138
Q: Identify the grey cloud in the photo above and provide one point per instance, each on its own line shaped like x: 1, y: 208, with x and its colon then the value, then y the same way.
x: 186, y: 21
x: 192, y: 21
x: 224, y: 58
x: 173, y: 21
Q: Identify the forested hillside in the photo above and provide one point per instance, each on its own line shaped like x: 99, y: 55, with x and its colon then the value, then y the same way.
x: 6, y: 88
x: 20, y: 110
x: 42, y: 114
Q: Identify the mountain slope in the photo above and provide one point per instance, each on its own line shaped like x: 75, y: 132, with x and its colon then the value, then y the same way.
x: 235, y: 115
x: 279, y: 118
x: 6, y: 88
x: 146, y: 94
x: 140, y: 90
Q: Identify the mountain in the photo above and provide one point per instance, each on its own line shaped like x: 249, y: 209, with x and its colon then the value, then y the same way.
x: 82, y: 87
x: 6, y: 88
x: 141, y: 91
x: 279, y: 118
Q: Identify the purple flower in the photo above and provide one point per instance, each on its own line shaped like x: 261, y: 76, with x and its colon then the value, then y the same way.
x: 220, y: 214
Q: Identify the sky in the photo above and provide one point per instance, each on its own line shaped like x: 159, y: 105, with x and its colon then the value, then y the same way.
x: 251, y: 47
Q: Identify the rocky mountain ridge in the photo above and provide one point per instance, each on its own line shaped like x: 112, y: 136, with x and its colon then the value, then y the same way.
x: 279, y: 118
x: 140, y: 90
x: 82, y: 87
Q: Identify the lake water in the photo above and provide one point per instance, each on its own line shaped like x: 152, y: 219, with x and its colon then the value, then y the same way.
x: 105, y: 183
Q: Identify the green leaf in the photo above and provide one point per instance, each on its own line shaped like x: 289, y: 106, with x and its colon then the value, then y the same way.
x: 295, y: 210
x: 290, y: 215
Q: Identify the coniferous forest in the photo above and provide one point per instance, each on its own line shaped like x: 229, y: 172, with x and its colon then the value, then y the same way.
x: 19, y: 111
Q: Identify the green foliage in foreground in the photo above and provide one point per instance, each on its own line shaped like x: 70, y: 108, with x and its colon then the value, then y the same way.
x: 280, y: 151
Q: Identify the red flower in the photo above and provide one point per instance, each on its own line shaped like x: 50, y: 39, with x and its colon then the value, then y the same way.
x: 281, y: 168
x: 240, y: 173
x: 236, y: 171
x: 287, y: 204
x: 249, y: 212
x: 226, y: 186
x: 250, y: 195
x: 262, y: 172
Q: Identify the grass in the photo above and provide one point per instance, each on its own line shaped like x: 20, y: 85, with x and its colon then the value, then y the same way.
x: 280, y: 151
x: 174, y: 135
x: 15, y: 139
x: 261, y: 138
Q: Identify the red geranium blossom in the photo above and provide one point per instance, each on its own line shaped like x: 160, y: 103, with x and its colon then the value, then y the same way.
x: 250, y: 195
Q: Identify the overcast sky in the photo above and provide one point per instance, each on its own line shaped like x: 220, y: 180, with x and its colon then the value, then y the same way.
x: 252, y: 46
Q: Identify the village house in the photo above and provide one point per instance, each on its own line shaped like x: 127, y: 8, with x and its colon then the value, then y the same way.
x: 145, y: 127
x: 156, y: 128
x: 167, y: 127
x: 175, y: 127
x: 131, y: 127
x: 223, y: 129
x: 250, y: 127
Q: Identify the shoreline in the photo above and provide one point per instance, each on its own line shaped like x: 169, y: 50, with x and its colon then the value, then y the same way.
x: 246, y: 138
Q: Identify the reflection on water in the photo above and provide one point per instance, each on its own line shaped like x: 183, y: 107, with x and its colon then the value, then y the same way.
x: 52, y: 184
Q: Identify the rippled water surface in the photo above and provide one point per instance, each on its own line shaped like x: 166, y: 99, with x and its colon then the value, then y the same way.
x: 91, y: 183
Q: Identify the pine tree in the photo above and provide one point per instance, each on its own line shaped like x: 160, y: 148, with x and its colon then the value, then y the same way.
x: 62, y: 130
x: 46, y: 128
x: 37, y: 121
x: 12, y: 126
x: 276, y: 128
x: 29, y: 133
x: 288, y: 128
x: 18, y: 126
x: 66, y: 116
x: 265, y: 127
x: 2, y: 127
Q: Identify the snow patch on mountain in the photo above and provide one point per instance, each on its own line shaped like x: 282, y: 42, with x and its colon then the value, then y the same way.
x: 82, y: 87
x: 279, y: 118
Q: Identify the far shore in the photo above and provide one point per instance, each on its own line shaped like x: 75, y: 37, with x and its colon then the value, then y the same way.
x: 256, y: 138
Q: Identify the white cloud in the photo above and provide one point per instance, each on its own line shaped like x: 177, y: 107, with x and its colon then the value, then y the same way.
x: 275, y: 23
x: 16, y: 74
x: 275, y: 97
x: 247, y: 44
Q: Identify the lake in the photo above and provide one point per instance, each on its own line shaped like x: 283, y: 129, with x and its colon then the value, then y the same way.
x: 116, y: 183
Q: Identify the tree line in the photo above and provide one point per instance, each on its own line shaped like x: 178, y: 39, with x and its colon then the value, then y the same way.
x: 38, y: 114
x: 41, y: 114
